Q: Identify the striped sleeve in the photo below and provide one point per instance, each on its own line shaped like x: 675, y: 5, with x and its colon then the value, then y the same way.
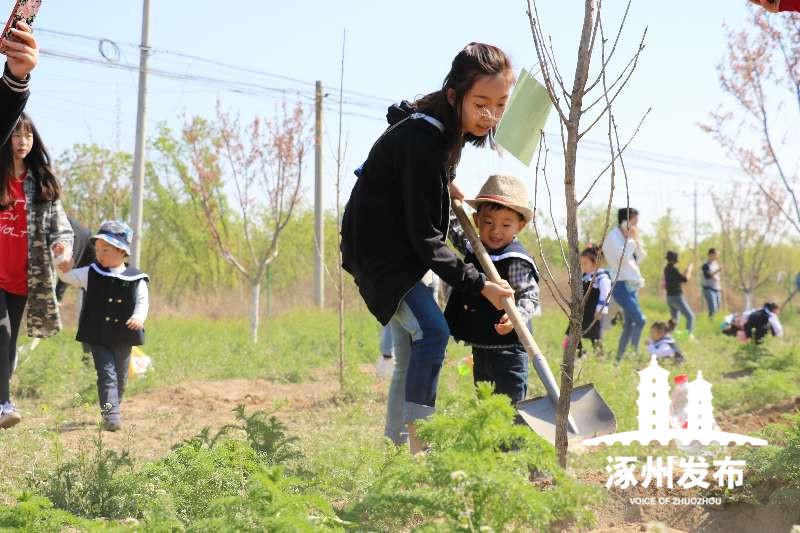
x: 521, y: 277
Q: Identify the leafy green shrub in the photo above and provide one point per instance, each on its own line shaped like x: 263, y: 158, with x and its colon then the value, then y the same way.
x: 266, y: 436
x: 761, y: 388
x: 92, y: 484
x: 272, y: 503
x: 182, y: 484
x: 36, y: 513
x: 774, y: 471
x: 481, y: 471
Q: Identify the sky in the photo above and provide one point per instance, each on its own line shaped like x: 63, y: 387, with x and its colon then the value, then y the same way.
x: 393, y: 51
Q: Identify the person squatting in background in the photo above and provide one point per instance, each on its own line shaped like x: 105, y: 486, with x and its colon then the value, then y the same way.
x: 34, y: 232
x: 113, y: 314
x: 673, y: 282
x: 661, y: 344
x: 754, y: 323
x: 597, y: 282
x: 502, y: 211
x: 624, y: 251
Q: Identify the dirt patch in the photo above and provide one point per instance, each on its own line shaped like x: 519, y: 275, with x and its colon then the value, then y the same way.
x: 623, y: 513
x: 738, y: 374
x: 755, y: 421
x: 155, y: 421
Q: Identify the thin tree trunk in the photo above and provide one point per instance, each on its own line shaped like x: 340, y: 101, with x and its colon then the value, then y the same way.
x: 339, y: 269
x: 255, y: 297
x: 576, y: 287
x: 748, y: 300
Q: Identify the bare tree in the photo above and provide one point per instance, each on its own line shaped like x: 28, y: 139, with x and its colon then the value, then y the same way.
x: 97, y: 182
x: 257, y: 169
x: 579, y: 108
x: 751, y: 224
x: 761, y: 75
x: 339, y: 270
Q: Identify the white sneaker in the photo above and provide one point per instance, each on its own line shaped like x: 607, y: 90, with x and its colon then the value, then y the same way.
x: 9, y: 416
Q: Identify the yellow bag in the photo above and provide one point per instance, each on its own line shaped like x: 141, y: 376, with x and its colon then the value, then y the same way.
x: 140, y: 363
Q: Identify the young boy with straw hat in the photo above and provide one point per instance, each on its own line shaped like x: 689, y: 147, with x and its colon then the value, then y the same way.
x: 502, y: 211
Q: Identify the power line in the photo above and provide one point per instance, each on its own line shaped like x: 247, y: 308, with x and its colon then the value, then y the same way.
x: 250, y: 88
x: 154, y: 50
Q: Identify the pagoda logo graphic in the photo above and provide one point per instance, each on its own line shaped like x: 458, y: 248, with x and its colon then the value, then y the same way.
x: 654, y: 415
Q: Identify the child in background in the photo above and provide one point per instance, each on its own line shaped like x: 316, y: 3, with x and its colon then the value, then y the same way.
x: 502, y: 211
x: 113, y: 314
x: 661, y: 343
x: 597, y: 282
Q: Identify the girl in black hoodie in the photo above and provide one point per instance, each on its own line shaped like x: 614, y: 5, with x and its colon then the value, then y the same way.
x: 395, y: 223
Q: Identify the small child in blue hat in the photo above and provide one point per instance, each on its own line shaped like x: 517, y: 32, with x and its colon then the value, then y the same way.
x: 114, y: 310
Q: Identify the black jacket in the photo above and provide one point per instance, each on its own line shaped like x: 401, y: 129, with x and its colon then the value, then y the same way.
x: 394, y: 225
x: 11, y: 104
x: 674, y: 280
x: 757, y: 325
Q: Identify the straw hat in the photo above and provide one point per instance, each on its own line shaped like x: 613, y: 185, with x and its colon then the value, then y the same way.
x: 507, y: 191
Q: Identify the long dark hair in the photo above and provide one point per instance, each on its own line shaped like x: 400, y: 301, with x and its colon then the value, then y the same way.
x: 474, y: 61
x: 37, y: 161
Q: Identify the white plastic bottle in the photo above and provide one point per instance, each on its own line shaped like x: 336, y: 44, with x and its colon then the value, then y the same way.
x: 679, y: 402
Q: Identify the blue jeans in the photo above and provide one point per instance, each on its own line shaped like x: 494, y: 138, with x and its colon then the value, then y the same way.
x: 713, y: 300
x: 626, y: 294
x: 677, y: 304
x: 111, y: 365
x: 420, y: 336
x: 387, y: 343
x: 505, y: 368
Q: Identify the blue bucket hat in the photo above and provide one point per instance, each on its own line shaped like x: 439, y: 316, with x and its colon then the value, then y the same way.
x: 115, y: 233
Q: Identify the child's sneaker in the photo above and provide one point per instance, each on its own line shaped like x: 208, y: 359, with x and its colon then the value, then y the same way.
x: 679, y: 358
x: 112, y: 426
x: 9, y: 416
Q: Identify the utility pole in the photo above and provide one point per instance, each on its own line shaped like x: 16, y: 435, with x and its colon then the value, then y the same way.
x: 137, y: 191
x: 319, y: 256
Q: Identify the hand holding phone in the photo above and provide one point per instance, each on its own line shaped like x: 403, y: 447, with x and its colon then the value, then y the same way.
x: 23, y: 11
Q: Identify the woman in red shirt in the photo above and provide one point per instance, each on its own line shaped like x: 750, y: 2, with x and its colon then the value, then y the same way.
x: 778, y: 5
x: 32, y: 223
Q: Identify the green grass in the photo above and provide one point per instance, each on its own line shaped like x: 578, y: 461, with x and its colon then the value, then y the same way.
x: 343, y: 451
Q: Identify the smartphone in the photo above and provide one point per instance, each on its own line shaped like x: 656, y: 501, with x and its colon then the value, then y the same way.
x: 624, y: 225
x: 23, y: 10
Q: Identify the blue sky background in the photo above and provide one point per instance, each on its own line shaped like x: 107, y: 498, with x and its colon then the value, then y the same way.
x: 394, y: 51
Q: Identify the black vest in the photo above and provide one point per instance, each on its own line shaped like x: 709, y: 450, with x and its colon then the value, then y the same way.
x: 471, y: 317
x: 591, y: 304
x: 108, y: 304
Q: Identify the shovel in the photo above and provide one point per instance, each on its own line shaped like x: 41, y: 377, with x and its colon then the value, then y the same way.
x: 589, y: 414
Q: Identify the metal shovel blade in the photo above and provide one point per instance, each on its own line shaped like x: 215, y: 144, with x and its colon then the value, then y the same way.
x: 591, y: 414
